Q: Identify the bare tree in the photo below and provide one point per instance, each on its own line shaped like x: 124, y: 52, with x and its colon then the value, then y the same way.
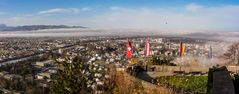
x: 232, y: 54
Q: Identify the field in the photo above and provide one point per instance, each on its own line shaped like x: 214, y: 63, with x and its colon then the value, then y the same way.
x: 194, y: 84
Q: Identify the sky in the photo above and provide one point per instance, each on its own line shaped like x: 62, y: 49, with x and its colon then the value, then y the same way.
x: 187, y: 15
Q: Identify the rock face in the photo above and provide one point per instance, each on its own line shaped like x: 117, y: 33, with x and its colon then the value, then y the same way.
x: 220, y: 81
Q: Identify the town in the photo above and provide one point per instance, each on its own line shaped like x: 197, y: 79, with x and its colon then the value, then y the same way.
x: 119, y: 47
x: 31, y: 65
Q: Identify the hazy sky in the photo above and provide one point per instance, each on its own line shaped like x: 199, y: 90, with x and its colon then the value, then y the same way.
x: 214, y: 15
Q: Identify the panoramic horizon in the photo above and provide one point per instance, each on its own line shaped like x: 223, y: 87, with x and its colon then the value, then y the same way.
x: 119, y: 47
x: 188, y: 15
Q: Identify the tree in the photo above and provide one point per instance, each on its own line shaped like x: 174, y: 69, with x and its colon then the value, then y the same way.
x: 232, y: 53
x: 162, y: 59
x: 156, y: 60
x: 70, y: 78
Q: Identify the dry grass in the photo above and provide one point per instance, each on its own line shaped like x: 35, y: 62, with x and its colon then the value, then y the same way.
x: 123, y: 83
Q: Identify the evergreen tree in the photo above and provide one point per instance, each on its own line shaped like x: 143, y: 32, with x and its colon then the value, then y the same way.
x: 70, y: 78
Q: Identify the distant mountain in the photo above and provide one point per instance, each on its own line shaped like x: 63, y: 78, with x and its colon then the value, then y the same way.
x: 4, y: 27
x: 202, y: 35
x: 225, y: 36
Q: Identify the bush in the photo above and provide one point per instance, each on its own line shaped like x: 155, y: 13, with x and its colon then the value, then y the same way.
x: 195, y: 84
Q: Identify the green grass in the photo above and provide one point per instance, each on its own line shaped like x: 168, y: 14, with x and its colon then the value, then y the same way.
x: 3, y: 51
x: 99, y: 62
x: 197, y: 84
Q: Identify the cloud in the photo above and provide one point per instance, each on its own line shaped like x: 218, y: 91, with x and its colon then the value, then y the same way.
x: 47, y: 16
x: 59, y: 11
x: 86, y: 9
x: 116, y: 8
x: 2, y: 13
x: 65, y: 10
x: 188, y: 18
x: 203, y: 18
x: 17, y: 18
x: 24, y: 20
x: 193, y: 7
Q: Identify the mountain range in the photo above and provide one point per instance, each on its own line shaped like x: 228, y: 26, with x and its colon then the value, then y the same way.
x: 4, y: 27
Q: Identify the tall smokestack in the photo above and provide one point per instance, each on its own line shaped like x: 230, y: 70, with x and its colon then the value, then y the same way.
x: 210, y: 53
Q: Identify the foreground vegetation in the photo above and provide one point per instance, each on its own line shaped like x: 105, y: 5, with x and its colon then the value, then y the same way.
x: 194, y: 84
x: 162, y: 60
x: 70, y: 79
x: 235, y: 79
